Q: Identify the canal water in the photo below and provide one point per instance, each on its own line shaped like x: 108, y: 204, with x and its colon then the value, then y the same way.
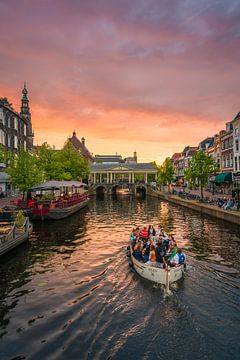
x: 69, y: 292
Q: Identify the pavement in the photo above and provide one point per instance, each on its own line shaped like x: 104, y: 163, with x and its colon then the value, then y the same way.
x: 206, y: 193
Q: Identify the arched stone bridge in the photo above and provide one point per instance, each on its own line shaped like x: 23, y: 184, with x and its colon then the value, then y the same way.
x: 111, y: 189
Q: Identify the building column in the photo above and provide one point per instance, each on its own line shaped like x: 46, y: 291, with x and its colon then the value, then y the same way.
x: 94, y: 178
x: 146, y: 178
x: 111, y: 178
x: 129, y: 178
x: 100, y: 175
x: 133, y: 180
x: 107, y: 178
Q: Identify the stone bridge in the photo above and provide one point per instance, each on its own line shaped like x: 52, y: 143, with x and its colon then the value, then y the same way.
x: 111, y: 189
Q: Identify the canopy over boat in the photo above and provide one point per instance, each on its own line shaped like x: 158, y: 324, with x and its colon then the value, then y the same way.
x: 55, y: 184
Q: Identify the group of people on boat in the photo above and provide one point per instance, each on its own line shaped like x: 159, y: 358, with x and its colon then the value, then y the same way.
x: 154, y: 247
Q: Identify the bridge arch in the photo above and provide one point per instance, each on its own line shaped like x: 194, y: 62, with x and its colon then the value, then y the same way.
x: 141, y: 189
x: 101, y: 189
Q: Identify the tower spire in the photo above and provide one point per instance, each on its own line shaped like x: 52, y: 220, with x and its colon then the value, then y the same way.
x: 25, y: 114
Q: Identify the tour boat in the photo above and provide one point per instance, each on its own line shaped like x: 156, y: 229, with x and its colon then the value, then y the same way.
x: 12, y: 231
x: 55, y: 200
x: 157, y: 274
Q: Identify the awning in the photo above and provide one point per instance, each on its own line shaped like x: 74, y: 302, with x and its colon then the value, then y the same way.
x: 224, y: 177
x: 175, y: 179
x: 54, y: 184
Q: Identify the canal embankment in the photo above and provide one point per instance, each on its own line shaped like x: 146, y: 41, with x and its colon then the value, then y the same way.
x: 212, y: 210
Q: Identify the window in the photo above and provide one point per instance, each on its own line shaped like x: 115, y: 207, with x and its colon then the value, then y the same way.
x: 1, y: 116
x: 236, y: 130
x: 15, y: 142
x: 2, y: 137
x: 15, y: 123
x: 236, y: 165
x: 25, y: 129
x: 237, y: 145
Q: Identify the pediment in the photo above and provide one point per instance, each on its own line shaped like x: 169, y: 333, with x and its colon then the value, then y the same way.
x: 120, y: 168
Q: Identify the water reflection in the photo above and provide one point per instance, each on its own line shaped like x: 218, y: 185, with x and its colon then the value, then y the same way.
x: 71, y: 291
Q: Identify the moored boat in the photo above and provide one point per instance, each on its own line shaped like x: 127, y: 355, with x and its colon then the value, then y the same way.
x: 15, y: 228
x: 55, y: 200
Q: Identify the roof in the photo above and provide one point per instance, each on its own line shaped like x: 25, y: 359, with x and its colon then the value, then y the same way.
x: 80, y: 147
x: 54, y: 184
x: 123, y: 167
x: 176, y: 156
x: 14, y: 112
x: 109, y: 158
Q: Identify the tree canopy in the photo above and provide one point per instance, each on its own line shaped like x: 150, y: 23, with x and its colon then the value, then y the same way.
x: 165, y: 173
x: 45, y: 163
x: 200, y: 167
x: 23, y: 170
x: 65, y: 164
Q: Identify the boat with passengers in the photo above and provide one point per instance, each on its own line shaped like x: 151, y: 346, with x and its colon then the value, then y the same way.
x: 155, y: 256
x: 55, y: 200
x: 15, y: 228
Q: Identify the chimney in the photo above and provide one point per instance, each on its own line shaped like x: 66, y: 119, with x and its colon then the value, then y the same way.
x: 83, y: 141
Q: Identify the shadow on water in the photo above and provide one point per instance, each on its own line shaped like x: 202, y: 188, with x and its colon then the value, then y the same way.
x: 70, y: 289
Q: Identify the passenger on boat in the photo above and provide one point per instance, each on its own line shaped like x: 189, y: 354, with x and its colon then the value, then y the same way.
x: 160, y: 253
x: 151, y: 231
x: 143, y: 233
x: 137, y: 252
x: 158, y: 232
x: 152, y: 256
x: 179, y: 258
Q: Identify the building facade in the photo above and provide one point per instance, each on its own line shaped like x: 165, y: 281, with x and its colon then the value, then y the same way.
x: 236, y: 150
x: 15, y: 133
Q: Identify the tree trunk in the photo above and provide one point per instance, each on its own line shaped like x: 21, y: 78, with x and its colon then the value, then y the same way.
x: 201, y: 187
x: 23, y: 195
x: 168, y: 188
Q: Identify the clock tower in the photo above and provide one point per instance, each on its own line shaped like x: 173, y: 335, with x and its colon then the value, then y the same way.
x: 25, y: 114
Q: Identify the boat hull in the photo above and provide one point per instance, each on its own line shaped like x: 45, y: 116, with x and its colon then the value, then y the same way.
x: 8, y: 244
x: 156, y: 274
x: 56, y: 213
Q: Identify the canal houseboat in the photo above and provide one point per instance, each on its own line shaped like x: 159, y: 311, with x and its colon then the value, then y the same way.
x: 55, y: 200
x: 15, y: 228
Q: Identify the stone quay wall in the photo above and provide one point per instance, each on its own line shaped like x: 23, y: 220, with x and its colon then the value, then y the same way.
x: 226, y: 215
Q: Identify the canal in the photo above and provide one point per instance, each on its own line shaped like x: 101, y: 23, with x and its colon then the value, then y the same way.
x: 69, y: 292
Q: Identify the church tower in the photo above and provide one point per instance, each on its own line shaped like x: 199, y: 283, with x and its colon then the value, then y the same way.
x: 25, y: 113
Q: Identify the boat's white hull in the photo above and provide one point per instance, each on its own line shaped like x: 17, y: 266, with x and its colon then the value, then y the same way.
x: 156, y: 274
x: 7, y: 243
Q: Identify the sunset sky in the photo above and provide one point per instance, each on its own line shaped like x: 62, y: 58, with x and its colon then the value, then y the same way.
x: 145, y: 75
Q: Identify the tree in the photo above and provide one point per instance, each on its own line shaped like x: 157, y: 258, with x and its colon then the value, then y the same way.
x: 165, y: 173
x: 200, y: 167
x: 64, y: 164
x: 23, y: 170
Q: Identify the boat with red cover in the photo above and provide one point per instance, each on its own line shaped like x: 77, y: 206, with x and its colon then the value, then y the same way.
x: 55, y: 200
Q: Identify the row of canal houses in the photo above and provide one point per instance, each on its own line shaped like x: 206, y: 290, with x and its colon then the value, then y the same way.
x: 224, y: 147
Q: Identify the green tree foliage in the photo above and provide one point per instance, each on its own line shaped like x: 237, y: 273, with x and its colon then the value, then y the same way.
x: 200, y: 167
x: 165, y: 173
x: 23, y: 170
x: 65, y: 164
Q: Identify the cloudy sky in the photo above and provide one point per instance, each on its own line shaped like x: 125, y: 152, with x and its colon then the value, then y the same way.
x: 145, y: 75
